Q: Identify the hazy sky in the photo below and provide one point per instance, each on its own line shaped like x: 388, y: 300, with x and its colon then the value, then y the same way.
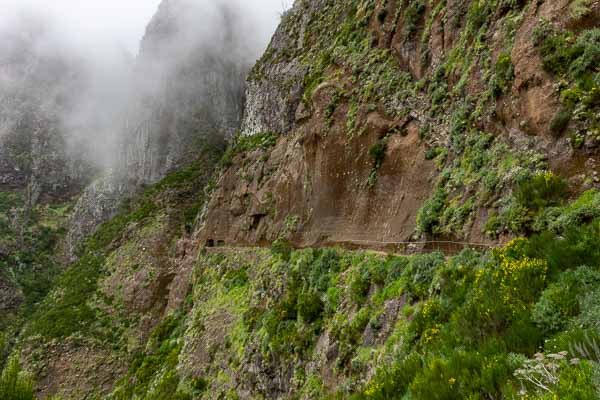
x: 121, y: 22
x: 104, y: 22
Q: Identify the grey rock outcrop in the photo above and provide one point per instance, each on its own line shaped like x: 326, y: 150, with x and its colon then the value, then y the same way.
x: 97, y: 203
x: 276, y: 82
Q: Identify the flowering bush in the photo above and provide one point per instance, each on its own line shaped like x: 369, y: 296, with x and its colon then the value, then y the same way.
x: 503, y: 292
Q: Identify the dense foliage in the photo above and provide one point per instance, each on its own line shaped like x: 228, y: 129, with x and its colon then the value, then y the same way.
x: 28, y: 237
x: 14, y: 383
x: 77, y: 305
x: 516, y: 322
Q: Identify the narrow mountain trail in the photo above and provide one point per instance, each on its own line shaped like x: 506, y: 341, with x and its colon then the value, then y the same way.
x: 448, y: 247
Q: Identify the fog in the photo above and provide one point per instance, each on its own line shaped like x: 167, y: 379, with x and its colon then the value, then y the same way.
x: 93, y: 47
x: 121, y: 23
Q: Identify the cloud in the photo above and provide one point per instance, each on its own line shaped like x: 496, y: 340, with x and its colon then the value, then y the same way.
x: 102, y: 23
x: 89, y: 22
x: 101, y: 38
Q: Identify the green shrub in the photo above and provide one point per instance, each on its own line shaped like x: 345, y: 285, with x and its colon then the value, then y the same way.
x: 514, y: 217
x: 393, y: 382
x: 435, y: 152
x: 560, y: 121
x: 9, y: 200
x: 14, y: 383
x: 310, y: 306
x: 263, y: 141
x: 395, y: 265
x: 577, y: 342
x: 504, y: 74
x: 360, y: 283
x: 582, y: 211
x: 453, y: 280
x: 282, y: 248
x: 575, y: 247
x: 578, y: 382
x: 564, y: 54
x: 247, y: 143
x: 561, y: 300
x: 589, y: 304
x: 199, y: 385
x: 236, y: 277
x: 412, y: 15
x: 377, y: 155
x: 586, y: 52
x: 501, y: 300
x: 428, y: 321
x: 420, y: 271
x: 541, y: 191
x: 377, y: 152
x: 556, y: 51
x: 580, y: 8
x: 463, y: 375
x: 428, y: 218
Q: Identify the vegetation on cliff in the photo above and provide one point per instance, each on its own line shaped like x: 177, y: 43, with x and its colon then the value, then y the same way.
x: 30, y: 240
x: 515, y: 322
x: 456, y: 70
x: 14, y: 383
x: 80, y: 305
x: 175, y: 318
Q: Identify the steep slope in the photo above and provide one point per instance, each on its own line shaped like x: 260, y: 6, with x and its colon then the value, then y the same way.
x: 40, y: 173
x: 133, y: 271
x: 187, y: 96
x: 408, y: 121
x: 166, y: 319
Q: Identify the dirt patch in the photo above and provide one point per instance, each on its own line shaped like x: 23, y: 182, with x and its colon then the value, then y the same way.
x: 73, y: 370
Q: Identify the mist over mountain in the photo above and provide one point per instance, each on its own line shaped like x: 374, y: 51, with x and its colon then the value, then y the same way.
x: 101, y: 69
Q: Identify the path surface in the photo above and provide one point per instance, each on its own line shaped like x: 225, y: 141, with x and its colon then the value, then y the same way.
x: 447, y: 247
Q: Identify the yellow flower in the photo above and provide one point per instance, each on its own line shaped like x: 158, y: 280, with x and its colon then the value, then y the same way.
x: 451, y: 381
x: 430, y: 334
x: 373, y: 388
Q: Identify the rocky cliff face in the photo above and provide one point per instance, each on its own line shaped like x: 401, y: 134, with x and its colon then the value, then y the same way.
x: 189, y: 87
x: 402, y: 121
